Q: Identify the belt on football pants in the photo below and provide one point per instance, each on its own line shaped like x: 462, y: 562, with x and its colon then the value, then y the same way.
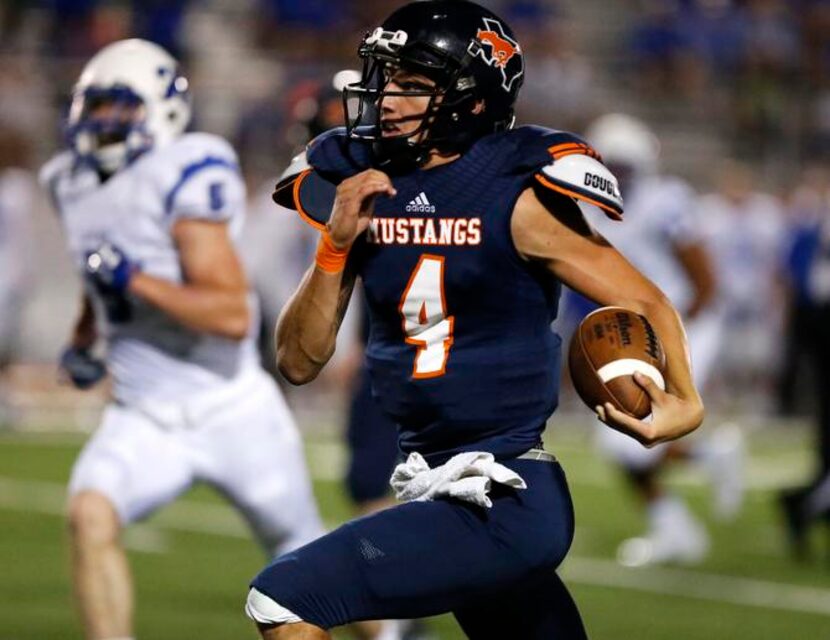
x: 539, y: 454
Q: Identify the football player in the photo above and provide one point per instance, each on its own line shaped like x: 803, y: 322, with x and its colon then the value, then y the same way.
x: 664, y: 240
x: 809, y: 269
x: 17, y: 190
x: 150, y: 215
x: 462, y: 229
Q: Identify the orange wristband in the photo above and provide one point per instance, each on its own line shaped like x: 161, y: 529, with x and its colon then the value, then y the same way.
x: 329, y: 258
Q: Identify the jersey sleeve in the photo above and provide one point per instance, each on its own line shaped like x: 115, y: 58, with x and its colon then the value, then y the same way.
x: 207, y: 186
x: 565, y: 163
x: 309, y: 184
x: 302, y: 189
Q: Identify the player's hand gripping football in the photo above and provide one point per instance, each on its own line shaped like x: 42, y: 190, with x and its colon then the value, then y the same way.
x: 354, y: 205
x: 671, y: 417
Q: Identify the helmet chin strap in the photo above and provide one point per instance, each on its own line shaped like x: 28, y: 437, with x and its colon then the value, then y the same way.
x: 398, y: 155
x: 401, y: 154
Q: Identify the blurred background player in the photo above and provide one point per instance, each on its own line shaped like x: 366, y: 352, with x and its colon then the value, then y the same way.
x: 17, y: 186
x: 150, y: 214
x: 745, y: 231
x: 372, y: 437
x: 661, y: 237
x: 809, y: 279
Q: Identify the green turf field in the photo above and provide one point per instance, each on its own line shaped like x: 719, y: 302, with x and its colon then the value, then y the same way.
x: 193, y: 560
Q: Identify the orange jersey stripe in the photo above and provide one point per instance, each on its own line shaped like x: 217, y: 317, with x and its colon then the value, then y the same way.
x: 586, y: 152
x: 564, y: 145
x: 566, y: 148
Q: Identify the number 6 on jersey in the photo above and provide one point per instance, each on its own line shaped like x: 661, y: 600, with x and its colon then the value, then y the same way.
x: 425, y: 320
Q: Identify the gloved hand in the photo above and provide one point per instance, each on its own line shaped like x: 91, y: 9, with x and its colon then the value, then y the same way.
x: 82, y: 368
x: 109, y: 269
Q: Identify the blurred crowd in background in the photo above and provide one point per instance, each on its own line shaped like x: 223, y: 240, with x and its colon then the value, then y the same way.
x: 738, y: 91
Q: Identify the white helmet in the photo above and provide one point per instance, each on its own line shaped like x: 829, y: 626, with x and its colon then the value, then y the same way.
x: 622, y: 139
x: 150, y: 100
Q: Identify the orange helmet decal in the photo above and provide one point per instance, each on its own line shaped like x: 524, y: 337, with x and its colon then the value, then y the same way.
x: 498, y: 49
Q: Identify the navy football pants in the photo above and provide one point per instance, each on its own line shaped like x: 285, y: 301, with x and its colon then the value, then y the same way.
x: 493, y: 568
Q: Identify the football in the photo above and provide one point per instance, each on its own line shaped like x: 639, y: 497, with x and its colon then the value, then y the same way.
x: 609, y: 345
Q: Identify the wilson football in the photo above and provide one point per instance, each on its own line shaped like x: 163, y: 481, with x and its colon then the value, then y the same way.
x: 609, y: 345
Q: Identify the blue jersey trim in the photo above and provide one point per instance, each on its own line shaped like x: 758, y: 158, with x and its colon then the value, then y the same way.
x: 191, y: 170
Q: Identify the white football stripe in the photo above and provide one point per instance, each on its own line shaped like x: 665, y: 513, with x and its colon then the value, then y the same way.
x: 626, y: 367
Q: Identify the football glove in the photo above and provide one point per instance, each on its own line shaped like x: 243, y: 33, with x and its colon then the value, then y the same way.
x: 109, y: 269
x: 82, y: 368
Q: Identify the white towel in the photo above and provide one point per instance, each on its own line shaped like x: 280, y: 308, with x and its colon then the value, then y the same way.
x: 466, y: 476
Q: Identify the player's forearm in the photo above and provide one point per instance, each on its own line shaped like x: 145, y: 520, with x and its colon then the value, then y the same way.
x: 697, y: 266
x: 668, y: 326
x: 306, y: 332
x: 217, y: 311
x: 704, y: 294
x: 666, y: 322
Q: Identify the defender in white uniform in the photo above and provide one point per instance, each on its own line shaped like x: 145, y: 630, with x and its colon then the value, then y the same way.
x: 150, y: 214
x: 662, y: 238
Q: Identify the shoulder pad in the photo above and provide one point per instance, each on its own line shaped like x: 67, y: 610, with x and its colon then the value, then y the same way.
x: 535, y: 146
x: 305, y: 191
x: 336, y: 157
x: 309, y: 183
x: 583, y: 177
x: 195, y: 146
x: 564, y: 162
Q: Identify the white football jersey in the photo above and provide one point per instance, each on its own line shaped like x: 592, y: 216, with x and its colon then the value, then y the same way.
x: 659, y: 216
x: 197, y: 177
x: 747, y: 240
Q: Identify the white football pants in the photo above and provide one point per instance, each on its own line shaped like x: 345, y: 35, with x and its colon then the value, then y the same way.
x: 240, y: 438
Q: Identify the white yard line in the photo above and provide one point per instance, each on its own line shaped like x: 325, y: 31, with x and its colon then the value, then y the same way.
x: 694, y: 584
x: 147, y: 538
x: 198, y: 517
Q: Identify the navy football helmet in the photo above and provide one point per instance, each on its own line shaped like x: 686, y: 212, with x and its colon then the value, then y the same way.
x: 469, y: 52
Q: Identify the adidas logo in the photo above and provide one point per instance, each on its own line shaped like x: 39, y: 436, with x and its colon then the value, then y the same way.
x: 420, y: 205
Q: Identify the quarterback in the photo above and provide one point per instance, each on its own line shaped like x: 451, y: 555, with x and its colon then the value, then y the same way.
x: 150, y: 215
x: 461, y: 228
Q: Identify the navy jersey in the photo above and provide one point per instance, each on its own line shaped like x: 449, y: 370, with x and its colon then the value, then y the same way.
x: 461, y: 352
